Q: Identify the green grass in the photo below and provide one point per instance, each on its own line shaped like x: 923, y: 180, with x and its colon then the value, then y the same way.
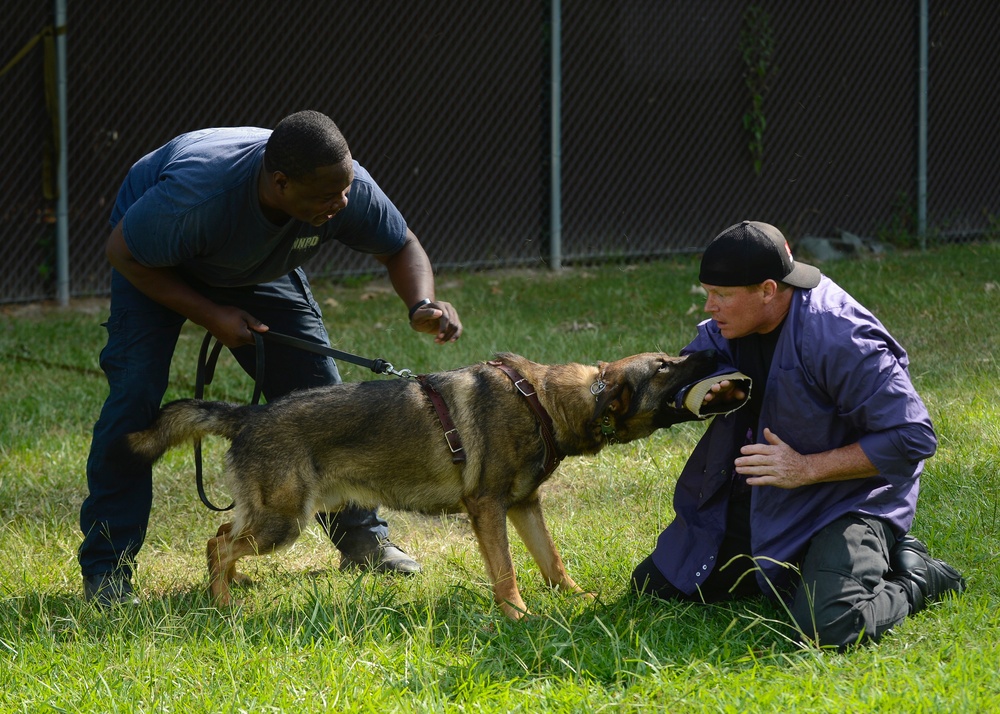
x: 308, y: 638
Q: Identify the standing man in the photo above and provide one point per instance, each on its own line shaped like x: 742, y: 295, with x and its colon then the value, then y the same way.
x: 820, y: 470
x: 212, y: 228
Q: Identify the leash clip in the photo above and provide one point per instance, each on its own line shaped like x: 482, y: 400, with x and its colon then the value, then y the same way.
x: 380, y: 366
x: 387, y: 368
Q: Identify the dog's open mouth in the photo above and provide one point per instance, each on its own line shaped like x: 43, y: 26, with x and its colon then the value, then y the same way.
x: 692, y: 396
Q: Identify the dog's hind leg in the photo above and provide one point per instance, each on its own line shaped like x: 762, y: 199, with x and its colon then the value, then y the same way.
x: 232, y: 575
x: 530, y: 525
x: 489, y: 522
x: 225, y: 550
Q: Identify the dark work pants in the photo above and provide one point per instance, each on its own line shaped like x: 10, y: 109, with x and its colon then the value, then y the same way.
x: 844, y: 597
x: 142, y: 335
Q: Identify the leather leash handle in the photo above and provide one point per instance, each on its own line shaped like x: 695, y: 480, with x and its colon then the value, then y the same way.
x: 203, y: 377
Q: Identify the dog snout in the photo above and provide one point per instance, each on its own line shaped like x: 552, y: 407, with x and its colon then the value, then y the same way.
x: 709, y: 358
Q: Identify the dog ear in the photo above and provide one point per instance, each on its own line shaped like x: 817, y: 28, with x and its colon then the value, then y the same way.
x: 615, y: 396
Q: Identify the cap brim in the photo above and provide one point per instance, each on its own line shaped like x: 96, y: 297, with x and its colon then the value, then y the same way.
x: 803, y: 276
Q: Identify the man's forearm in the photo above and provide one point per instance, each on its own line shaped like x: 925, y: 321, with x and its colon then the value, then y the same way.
x: 162, y: 285
x: 410, y: 272
x: 841, y: 464
x: 775, y: 463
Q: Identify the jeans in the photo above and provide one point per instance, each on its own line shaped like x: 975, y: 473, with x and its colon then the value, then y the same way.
x: 142, y: 335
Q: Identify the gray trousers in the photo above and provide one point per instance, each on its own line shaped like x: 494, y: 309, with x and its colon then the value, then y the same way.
x: 844, y: 597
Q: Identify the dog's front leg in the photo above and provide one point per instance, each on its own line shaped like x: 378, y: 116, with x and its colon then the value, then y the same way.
x: 530, y: 525
x: 489, y: 522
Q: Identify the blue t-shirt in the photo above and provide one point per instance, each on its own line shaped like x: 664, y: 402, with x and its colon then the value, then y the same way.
x: 192, y: 204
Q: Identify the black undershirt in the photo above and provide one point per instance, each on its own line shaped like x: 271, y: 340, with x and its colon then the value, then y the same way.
x: 753, y: 355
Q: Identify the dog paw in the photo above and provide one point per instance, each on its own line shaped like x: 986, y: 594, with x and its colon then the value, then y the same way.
x: 515, y: 613
x: 241, y: 580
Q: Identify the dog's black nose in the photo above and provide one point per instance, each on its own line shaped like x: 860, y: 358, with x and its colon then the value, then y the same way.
x: 711, y: 357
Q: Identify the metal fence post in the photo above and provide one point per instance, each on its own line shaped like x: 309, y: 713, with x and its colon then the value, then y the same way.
x: 62, y: 172
x: 922, y: 128
x: 555, y: 208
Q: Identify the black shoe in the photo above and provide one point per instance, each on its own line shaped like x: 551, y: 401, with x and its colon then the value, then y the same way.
x: 385, y: 557
x: 926, y: 579
x: 107, y: 590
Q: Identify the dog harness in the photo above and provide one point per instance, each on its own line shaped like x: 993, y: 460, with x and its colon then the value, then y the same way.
x: 450, y: 432
x: 552, y: 454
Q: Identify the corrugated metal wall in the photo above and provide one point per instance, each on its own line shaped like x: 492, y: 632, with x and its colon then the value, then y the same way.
x: 447, y: 104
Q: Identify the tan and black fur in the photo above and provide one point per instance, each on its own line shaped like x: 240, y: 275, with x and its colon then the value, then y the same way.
x: 380, y: 443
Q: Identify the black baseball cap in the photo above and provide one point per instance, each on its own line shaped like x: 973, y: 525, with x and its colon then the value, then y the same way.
x: 750, y: 253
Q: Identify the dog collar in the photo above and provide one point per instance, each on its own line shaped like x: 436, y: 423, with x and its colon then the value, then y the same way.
x: 597, y: 387
x: 607, y: 430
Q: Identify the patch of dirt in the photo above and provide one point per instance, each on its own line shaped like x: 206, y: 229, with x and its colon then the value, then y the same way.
x: 86, y: 306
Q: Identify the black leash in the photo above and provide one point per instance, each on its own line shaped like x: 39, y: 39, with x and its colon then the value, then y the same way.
x: 378, y: 366
x: 207, y: 360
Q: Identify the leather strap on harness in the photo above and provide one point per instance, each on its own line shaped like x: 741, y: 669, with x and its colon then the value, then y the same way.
x: 552, y: 453
x: 450, y: 432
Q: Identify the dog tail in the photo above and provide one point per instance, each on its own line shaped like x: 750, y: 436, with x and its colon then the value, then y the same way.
x: 184, y: 421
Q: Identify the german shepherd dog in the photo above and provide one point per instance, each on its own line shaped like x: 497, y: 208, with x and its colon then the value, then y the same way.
x: 382, y: 443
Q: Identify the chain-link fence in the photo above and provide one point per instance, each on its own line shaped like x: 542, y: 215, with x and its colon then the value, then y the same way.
x: 448, y: 105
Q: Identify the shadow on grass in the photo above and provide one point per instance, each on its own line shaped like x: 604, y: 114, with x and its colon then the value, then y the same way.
x: 458, y: 634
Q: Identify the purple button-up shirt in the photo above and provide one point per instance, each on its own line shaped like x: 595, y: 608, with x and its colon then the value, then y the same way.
x: 837, y: 377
